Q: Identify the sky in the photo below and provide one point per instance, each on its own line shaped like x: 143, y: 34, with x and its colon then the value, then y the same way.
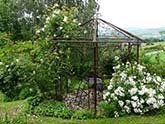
x: 134, y: 13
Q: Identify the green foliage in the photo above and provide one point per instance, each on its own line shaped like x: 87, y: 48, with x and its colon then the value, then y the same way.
x: 108, y: 61
x: 34, y: 101
x: 153, y: 48
x: 153, y: 57
x: 108, y: 109
x: 59, y: 22
x: 4, y: 39
x: 53, y: 109
x: 21, y: 17
x: 24, y: 64
x: 18, y: 17
x: 83, y: 114
x: 16, y: 68
x: 26, y: 92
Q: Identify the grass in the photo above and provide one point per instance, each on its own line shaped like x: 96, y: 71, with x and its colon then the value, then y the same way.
x: 161, y: 57
x: 11, y: 107
x: 159, y: 119
x: 155, y: 47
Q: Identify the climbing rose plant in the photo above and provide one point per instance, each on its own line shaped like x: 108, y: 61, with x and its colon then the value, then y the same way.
x: 59, y: 22
x: 132, y: 90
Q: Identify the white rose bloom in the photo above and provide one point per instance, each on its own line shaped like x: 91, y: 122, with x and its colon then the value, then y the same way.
x: 60, y: 28
x: 117, y: 67
x: 162, y: 88
x: 151, y: 100
x: 161, y: 103
x: 148, y: 79
x: 56, y: 5
x: 85, y: 31
x: 128, y: 102
x: 38, y: 31
x: 17, y: 60
x: 142, y: 101
x: 128, y: 63
x: 1, y: 63
x: 135, y: 110
x: 134, y: 105
x: 105, y: 95
x: 158, y: 78
x: 156, y: 82
x: 152, y: 92
x: 65, y: 19
x: 116, y: 114
x: 110, y: 87
x: 123, y: 76
x: 48, y: 18
x: 141, y: 92
x: 148, y: 74
x: 133, y: 91
x: 121, y: 103
x: 127, y: 109
x: 119, y: 91
x: 132, y: 82
x: 56, y: 12
x: 42, y: 29
x: 116, y: 58
x: 155, y: 105
x: 160, y: 96
x: 135, y: 98
x: 74, y: 20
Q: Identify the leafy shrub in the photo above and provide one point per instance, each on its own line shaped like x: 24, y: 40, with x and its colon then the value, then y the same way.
x: 108, y: 59
x: 108, y: 109
x: 83, y: 114
x: 32, y: 103
x: 26, y: 92
x: 133, y: 91
x: 7, y: 99
x: 53, y: 109
x: 35, y: 101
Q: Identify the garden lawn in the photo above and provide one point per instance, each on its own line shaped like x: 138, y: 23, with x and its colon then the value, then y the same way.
x: 161, y: 57
x: 159, y: 119
x: 18, y: 106
x: 12, y: 108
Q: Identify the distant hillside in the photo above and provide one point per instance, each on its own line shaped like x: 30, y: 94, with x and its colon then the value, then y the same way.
x: 148, y: 33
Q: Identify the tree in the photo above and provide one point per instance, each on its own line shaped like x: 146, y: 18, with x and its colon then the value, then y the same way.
x: 20, y: 17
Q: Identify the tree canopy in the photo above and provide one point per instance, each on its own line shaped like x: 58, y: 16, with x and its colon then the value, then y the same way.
x: 20, y: 17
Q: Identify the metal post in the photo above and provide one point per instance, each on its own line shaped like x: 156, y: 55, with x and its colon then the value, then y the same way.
x: 95, y: 35
x: 129, y: 52
x: 88, y: 97
x: 137, y: 52
x: 95, y: 76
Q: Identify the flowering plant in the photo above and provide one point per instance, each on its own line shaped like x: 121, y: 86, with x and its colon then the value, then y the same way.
x: 132, y: 90
x: 59, y: 22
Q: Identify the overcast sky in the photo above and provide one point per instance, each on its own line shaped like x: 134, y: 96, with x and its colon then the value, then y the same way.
x: 134, y: 13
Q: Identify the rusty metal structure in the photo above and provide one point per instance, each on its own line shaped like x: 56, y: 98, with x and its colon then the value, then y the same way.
x: 101, y: 34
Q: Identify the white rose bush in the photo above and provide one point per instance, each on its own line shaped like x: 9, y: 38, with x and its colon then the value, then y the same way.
x: 132, y: 90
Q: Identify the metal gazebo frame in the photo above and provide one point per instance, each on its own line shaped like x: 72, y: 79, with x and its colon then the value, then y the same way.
x: 127, y: 37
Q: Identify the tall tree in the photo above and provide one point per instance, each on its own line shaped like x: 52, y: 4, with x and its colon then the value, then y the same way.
x: 19, y: 17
